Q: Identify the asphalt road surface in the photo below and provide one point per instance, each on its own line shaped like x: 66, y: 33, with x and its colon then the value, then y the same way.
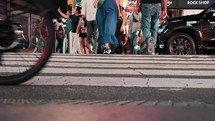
x: 119, y: 81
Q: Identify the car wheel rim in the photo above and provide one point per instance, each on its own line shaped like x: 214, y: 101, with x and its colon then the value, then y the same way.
x: 181, y: 46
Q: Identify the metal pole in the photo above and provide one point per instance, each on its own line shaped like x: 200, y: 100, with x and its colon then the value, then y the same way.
x: 29, y: 29
x: 8, y: 8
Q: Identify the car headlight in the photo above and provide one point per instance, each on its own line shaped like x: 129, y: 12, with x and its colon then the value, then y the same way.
x: 161, y: 28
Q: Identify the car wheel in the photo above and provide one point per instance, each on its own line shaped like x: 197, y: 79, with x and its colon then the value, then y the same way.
x: 181, y: 44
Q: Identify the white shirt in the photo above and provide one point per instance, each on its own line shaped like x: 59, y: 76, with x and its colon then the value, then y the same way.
x: 89, y: 10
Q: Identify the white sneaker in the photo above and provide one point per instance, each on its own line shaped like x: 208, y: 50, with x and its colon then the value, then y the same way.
x: 107, y: 51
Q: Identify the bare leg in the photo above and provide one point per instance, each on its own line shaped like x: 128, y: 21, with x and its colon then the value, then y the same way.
x: 87, y: 45
x: 82, y: 45
x: 107, y: 45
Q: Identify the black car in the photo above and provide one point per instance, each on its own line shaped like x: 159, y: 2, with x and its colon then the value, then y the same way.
x: 188, y: 34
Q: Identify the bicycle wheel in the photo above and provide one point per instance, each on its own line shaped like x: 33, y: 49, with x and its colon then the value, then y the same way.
x: 26, y: 39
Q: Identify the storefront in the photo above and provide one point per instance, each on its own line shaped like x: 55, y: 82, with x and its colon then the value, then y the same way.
x: 186, y: 7
x: 25, y: 19
x: 189, y: 4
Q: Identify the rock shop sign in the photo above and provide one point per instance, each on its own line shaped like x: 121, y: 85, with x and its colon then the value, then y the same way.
x: 189, y: 4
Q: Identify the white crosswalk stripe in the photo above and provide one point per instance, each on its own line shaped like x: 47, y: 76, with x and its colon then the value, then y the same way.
x: 192, y: 71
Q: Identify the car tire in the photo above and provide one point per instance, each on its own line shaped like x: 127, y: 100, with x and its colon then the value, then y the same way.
x: 181, y: 44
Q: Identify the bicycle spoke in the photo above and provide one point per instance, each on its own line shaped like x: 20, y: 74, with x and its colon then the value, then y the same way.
x: 26, y: 40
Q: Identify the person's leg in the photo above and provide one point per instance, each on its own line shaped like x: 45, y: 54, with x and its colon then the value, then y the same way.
x: 119, y: 48
x: 95, y: 36
x: 146, y: 11
x: 74, y: 44
x: 103, y: 22
x: 64, y: 43
x: 100, y: 20
x: 81, y: 40
x: 110, y: 30
x: 57, y: 46
x: 70, y: 42
x: 61, y: 44
x: 43, y: 42
x: 40, y: 46
x: 131, y: 43
x: 87, y: 45
x: 100, y: 48
x: 126, y: 44
x: 37, y: 44
x: 155, y: 22
x: 89, y: 31
x: 77, y: 43
x: 107, y: 49
x: 113, y: 48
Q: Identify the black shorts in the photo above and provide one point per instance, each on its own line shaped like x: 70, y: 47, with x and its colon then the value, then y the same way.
x: 83, y: 35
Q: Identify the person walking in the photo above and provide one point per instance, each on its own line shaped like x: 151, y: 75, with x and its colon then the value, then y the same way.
x: 60, y: 36
x: 152, y: 11
x: 67, y: 28
x: 35, y: 33
x: 42, y: 32
x: 120, y: 30
x: 74, y: 37
x: 106, y: 18
x: 82, y: 29
x: 135, y: 25
x: 92, y: 30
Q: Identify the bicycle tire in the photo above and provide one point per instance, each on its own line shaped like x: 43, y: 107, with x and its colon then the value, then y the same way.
x: 19, y: 64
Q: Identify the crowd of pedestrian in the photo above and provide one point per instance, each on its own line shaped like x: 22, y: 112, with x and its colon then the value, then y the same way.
x: 105, y: 27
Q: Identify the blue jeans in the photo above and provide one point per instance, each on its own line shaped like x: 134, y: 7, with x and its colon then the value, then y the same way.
x: 60, y: 44
x: 150, y: 20
x: 106, y: 18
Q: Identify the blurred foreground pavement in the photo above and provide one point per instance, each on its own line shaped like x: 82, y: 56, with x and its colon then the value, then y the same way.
x: 69, y: 112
